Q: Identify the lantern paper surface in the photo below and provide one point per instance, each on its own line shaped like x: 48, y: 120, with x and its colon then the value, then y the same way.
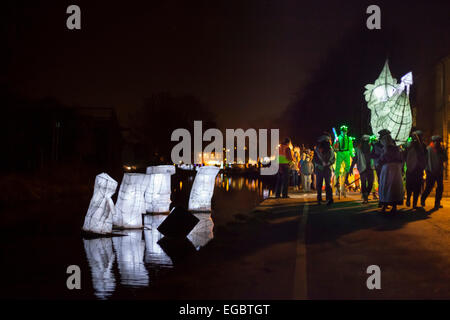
x: 203, y: 188
x: 99, y: 217
x: 131, y: 202
x: 203, y: 231
x: 388, y: 102
x: 157, y: 195
x: 100, y: 256
x: 130, y: 258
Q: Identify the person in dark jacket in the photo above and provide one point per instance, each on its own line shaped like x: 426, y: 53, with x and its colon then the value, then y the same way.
x: 436, y: 156
x: 415, y: 165
x: 364, y: 164
x: 323, y: 159
x: 285, y: 157
x: 391, y: 181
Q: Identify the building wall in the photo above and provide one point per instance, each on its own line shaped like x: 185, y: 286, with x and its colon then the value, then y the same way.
x: 432, y: 102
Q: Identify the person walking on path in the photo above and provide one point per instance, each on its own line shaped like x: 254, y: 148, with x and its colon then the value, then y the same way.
x: 307, y: 169
x: 344, y: 149
x: 364, y: 165
x: 284, y: 158
x: 391, y: 181
x: 436, y: 156
x: 323, y: 160
x: 415, y: 164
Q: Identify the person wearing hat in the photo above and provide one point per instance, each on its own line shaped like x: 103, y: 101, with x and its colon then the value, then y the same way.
x: 415, y: 164
x: 364, y: 164
x: 344, y: 151
x: 377, y: 152
x: 436, y: 156
x: 391, y: 180
x: 307, y: 169
x: 323, y: 159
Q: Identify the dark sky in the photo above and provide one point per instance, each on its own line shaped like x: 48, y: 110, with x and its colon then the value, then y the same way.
x: 244, y: 59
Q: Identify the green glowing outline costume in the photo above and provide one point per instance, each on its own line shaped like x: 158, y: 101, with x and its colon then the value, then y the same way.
x: 344, y: 153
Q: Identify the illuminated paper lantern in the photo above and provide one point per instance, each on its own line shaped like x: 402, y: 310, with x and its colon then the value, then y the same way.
x: 154, y: 254
x: 203, y: 188
x: 203, y: 231
x: 131, y: 200
x: 130, y: 258
x: 99, y: 217
x: 157, y: 195
x: 389, y: 105
x: 100, y: 256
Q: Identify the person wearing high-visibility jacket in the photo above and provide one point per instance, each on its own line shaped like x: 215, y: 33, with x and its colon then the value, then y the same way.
x: 344, y: 152
x: 285, y: 157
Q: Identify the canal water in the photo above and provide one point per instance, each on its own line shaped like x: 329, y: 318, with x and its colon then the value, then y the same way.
x: 118, y: 266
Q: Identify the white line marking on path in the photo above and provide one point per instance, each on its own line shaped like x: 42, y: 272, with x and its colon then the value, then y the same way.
x: 300, y: 279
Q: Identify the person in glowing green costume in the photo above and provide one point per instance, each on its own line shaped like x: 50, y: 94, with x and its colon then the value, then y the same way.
x: 344, y: 150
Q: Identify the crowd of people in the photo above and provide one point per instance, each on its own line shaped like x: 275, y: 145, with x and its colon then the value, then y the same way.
x: 378, y: 162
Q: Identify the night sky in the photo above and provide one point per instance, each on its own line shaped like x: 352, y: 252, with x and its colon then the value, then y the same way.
x: 244, y: 59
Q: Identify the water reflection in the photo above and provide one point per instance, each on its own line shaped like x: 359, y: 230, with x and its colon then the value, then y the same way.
x: 141, y: 254
x: 130, y: 258
x: 229, y: 183
x: 101, y: 257
x: 154, y: 254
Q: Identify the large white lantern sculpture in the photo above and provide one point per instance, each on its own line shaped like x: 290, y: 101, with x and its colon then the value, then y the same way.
x: 99, y: 217
x: 100, y: 256
x: 131, y: 202
x: 157, y: 195
x: 203, y: 231
x: 203, y: 189
x: 130, y: 258
x: 388, y: 102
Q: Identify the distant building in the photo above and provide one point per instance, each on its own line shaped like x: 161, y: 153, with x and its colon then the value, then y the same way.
x: 431, y: 101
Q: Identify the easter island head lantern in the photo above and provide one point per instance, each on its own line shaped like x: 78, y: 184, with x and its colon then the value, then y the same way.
x: 388, y: 102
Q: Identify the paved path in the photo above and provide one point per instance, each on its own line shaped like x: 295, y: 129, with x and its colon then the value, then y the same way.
x: 336, y: 244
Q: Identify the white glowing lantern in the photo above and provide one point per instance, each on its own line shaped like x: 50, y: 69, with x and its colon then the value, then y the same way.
x: 203, y: 189
x: 154, y: 254
x: 389, y: 105
x: 99, y: 217
x: 100, y: 256
x: 131, y: 202
x: 203, y: 231
x: 157, y: 195
x: 130, y: 258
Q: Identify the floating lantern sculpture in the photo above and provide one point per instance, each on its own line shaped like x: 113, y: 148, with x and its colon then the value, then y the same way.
x: 131, y: 202
x: 157, y: 194
x: 388, y: 102
x: 100, y: 256
x: 203, y: 188
x: 99, y: 217
x: 130, y: 258
x: 203, y: 231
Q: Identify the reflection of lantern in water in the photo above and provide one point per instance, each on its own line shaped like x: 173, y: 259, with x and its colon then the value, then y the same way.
x: 203, y: 188
x: 154, y: 254
x: 130, y: 258
x: 131, y: 202
x: 100, y: 256
x: 99, y: 217
x: 157, y: 195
